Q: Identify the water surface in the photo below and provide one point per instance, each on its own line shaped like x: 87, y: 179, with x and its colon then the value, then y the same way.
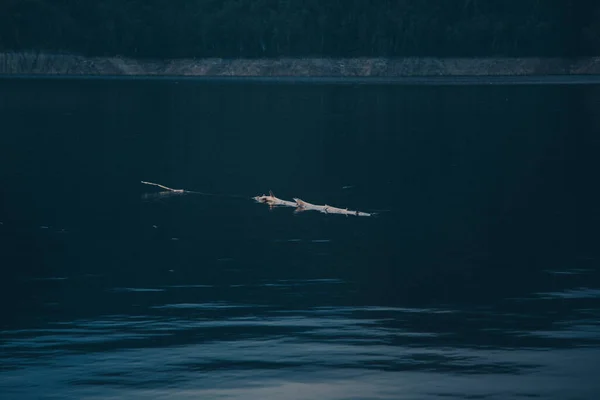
x: 478, y: 279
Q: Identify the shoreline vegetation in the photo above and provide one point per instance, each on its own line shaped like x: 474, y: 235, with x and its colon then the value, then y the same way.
x: 41, y: 63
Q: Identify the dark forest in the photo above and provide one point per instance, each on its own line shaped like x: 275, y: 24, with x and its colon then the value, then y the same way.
x: 302, y: 28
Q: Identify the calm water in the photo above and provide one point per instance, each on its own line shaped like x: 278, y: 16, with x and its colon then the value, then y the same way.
x: 478, y: 279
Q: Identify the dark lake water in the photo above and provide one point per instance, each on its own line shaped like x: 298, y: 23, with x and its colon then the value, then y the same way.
x: 479, y: 277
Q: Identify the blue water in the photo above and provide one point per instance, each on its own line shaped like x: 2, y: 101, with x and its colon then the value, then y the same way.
x: 478, y: 278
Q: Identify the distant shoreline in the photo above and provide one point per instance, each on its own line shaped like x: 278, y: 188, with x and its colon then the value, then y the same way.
x: 39, y: 63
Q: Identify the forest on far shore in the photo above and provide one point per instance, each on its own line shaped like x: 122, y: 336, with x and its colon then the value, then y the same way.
x: 303, y: 28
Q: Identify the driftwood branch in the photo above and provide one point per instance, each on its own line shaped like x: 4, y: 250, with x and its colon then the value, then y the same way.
x: 164, y: 187
x: 271, y: 200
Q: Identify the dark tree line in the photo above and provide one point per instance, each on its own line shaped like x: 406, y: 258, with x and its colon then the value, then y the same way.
x: 295, y: 28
